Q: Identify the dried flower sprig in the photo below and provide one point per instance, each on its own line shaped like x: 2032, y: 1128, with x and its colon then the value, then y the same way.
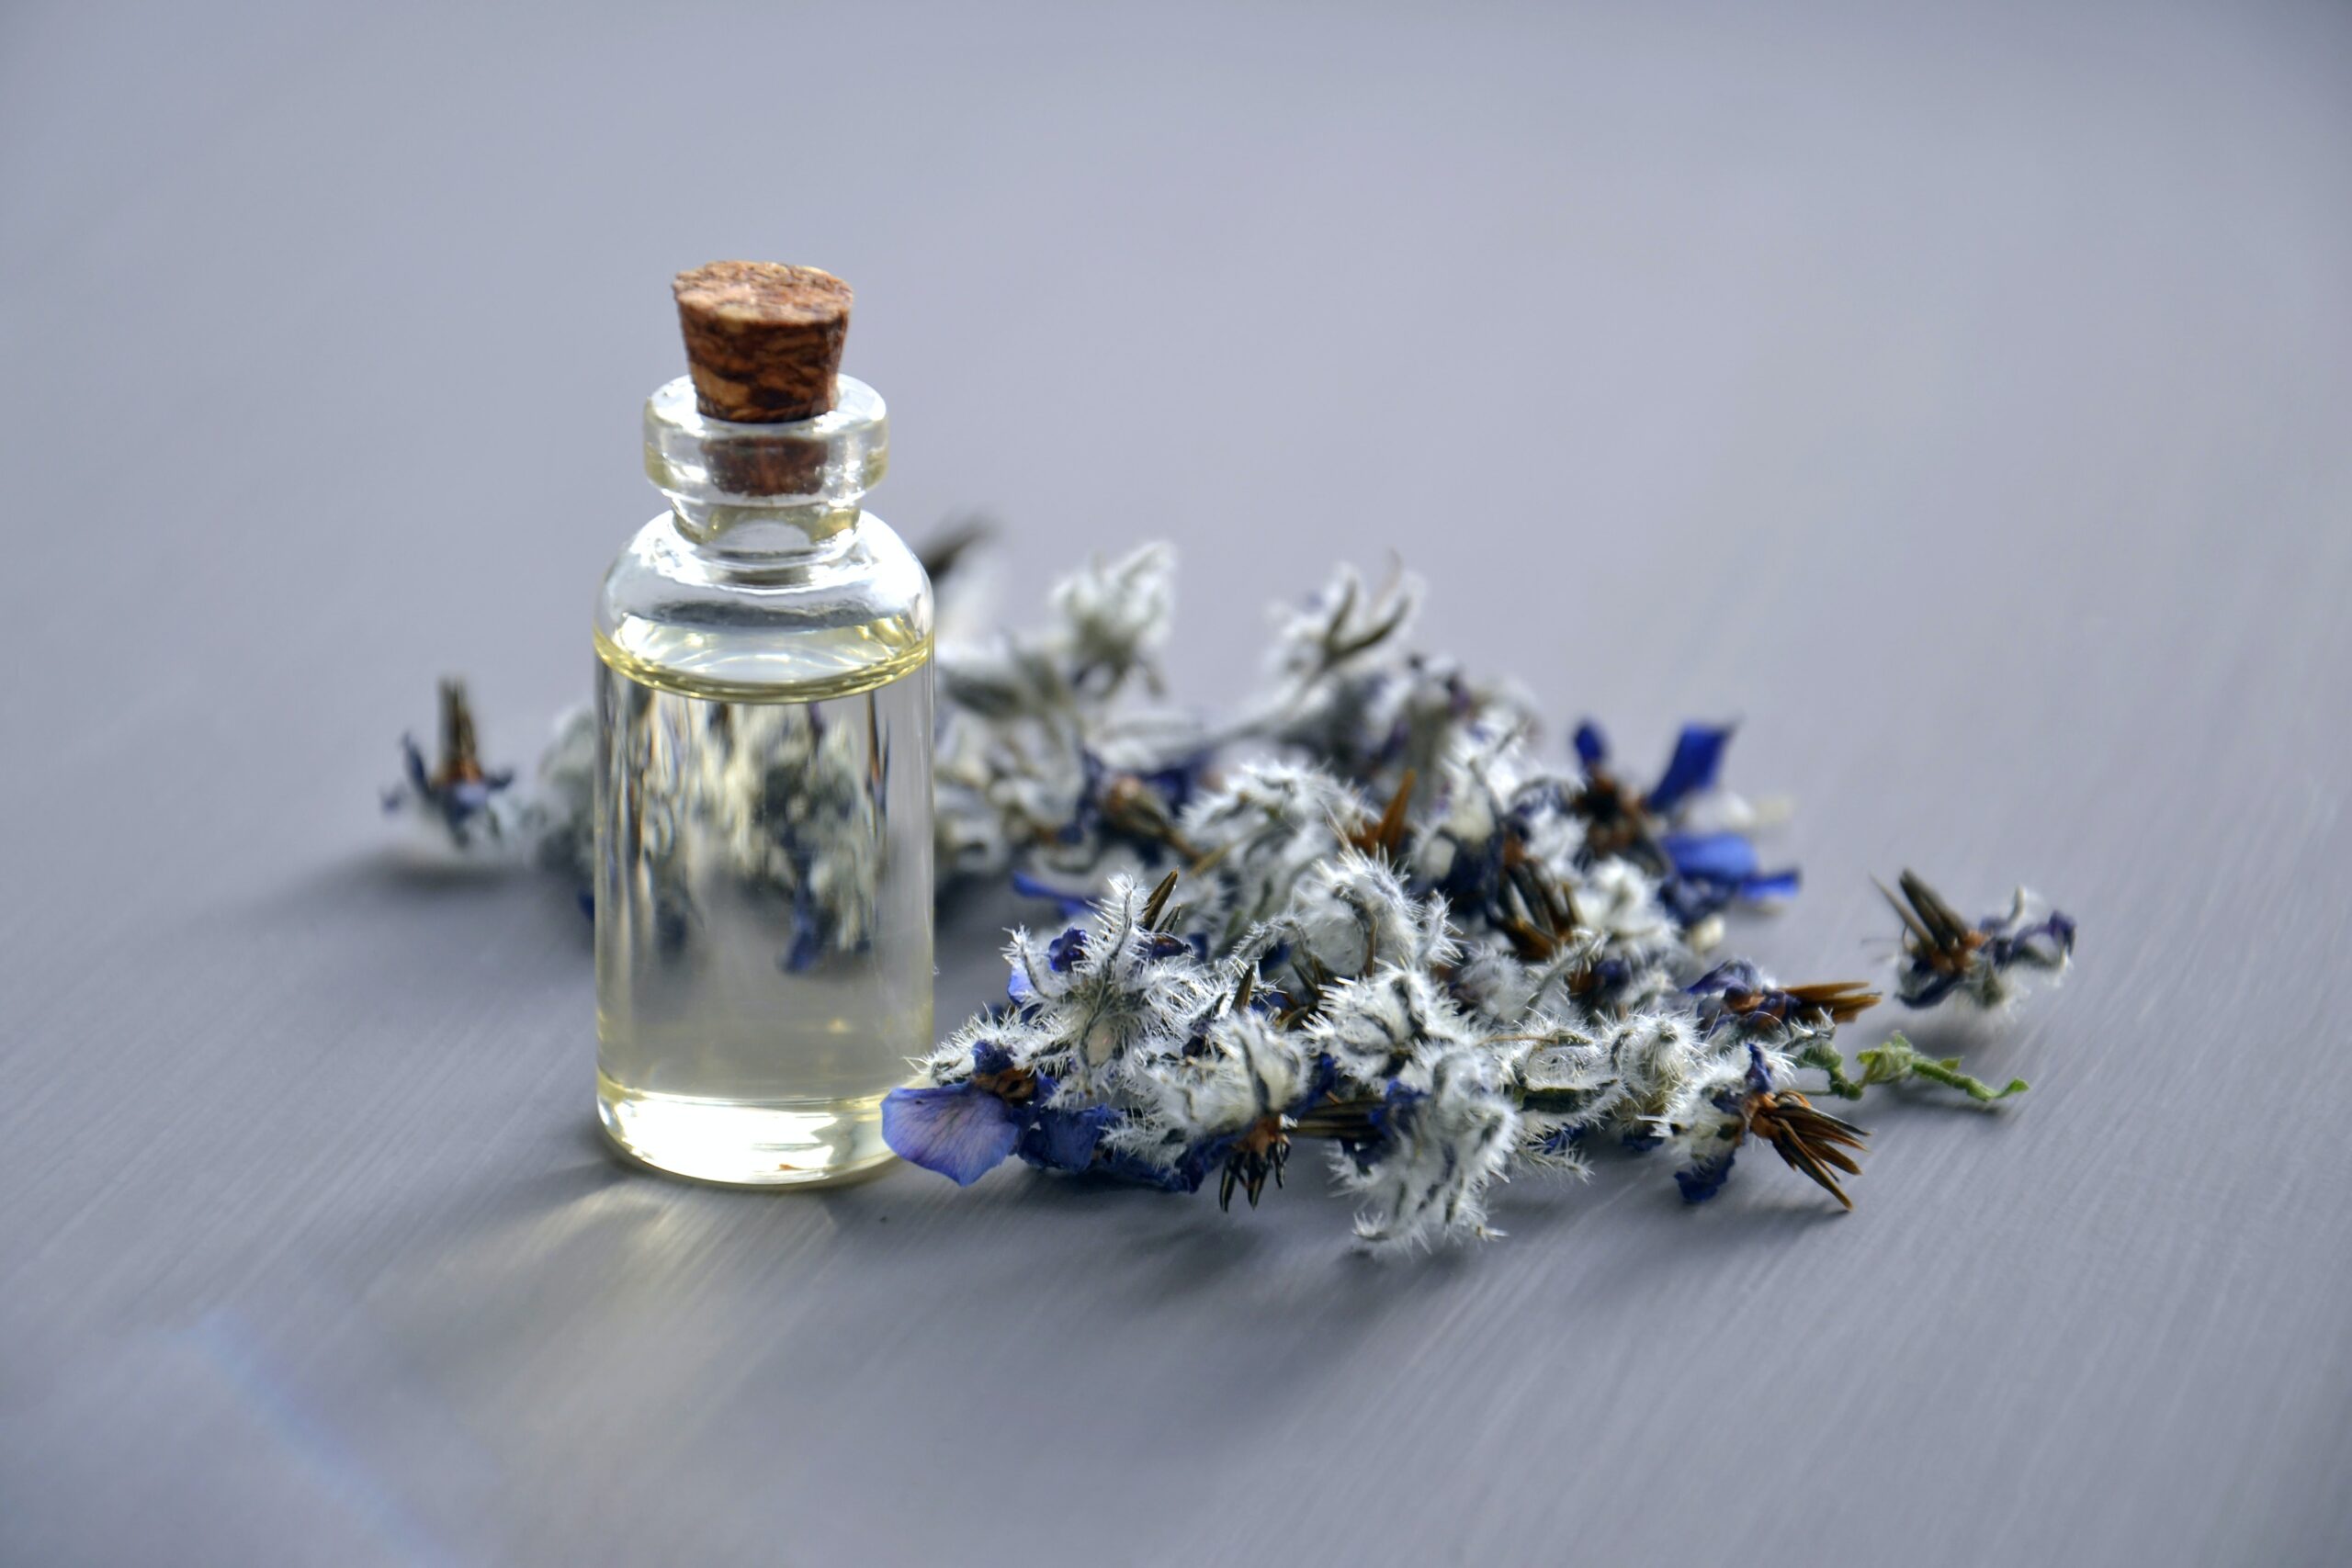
x: 1682, y: 830
x: 464, y: 800
x: 1366, y: 912
x: 1308, y: 976
x: 1807, y: 1140
x: 1944, y: 955
x: 1398, y: 931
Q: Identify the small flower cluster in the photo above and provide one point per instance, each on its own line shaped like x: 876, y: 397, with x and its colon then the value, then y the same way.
x: 1040, y: 767
x: 1985, y: 964
x: 1044, y: 771
x: 1442, y: 999
x: 1369, y: 912
x: 469, y: 803
x: 782, y: 793
x: 1393, y: 929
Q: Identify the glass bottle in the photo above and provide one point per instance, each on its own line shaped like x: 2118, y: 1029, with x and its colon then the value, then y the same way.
x: 763, y: 882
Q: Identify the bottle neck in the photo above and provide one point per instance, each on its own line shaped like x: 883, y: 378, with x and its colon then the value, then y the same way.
x: 766, y: 496
x: 750, y: 536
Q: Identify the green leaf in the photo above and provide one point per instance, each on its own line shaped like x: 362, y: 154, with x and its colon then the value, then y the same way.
x: 1898, y: 1060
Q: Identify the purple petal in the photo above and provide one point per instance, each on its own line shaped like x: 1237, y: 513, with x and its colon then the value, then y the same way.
x: 1698, y: 757
x: 1064, y: 952
x: 1073, y: 904
x: 1710, y: 857
x: 419, y: 777
x: 1923, y: 985
x: 1065, y: 1140
x: 962, y: 1131
x: 1703, y: 1180
x: 1738, y: 974
x: 2046, y: 943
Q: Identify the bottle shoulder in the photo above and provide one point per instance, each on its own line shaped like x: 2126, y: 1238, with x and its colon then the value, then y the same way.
x: 851, y: 616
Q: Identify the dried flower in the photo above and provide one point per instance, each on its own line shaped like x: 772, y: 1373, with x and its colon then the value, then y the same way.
x: 1225, y: 1100
x: 1663, y: 829
x: 1365, y: 913
x: 1352, y: 915
x: 1447, y: 1130
x: 1040, y: 768
x: 963, y: 1130
x: 467, y: 801
x: 1737, y: 994
x: 1117, y: 616
x: 1810, y: 1140
x: 1347, y: 692
x: 1445, y: 980
x: 1943, y: 955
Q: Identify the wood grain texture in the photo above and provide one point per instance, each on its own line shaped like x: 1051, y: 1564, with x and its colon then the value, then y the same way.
x: 1961, y: 399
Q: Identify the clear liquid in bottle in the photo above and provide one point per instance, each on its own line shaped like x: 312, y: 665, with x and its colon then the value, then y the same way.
x: 764, y: 922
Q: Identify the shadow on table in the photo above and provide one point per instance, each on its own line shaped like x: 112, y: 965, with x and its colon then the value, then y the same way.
x: 411, y: 901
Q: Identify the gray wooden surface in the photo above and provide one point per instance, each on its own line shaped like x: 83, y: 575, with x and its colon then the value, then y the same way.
x: 1961, y: 396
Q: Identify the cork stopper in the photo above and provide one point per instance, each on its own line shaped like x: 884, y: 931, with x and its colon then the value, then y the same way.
x: 764, y: 339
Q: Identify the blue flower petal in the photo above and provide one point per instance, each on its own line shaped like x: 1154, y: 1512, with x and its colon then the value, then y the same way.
x: 1065, y: 1140
x: 1690, y: 899
x: 1563, y: 1140
x: 962, y: 1131
x: 1474, y: 876
x: 1319, y: 1083
x: 2047, y: 942
x: 1769, y: 885
x: 1698, y: 757
x: 1175, y: 785
x: 808, y: 933
x: 1073, y: 904
x: 1924, y: 985
x: 420, y: 778
x: 1703, y: 1179
x: 1738, y: 974
x: 1710, y: 857
x: 2062, y: 930
x: 1592, y: 746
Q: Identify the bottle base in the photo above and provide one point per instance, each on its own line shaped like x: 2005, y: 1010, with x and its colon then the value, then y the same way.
x: 735, y: 1143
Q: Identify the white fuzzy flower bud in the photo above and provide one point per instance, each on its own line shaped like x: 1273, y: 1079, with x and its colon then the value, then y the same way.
x: 1351, y: 915
x: 1448, y: 1129
x: 1371, y: 1027
x: 1116, y: 614
x: 1618, y: 901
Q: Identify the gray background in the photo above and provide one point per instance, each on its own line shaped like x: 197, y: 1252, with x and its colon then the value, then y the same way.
x: 1960, y: 396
